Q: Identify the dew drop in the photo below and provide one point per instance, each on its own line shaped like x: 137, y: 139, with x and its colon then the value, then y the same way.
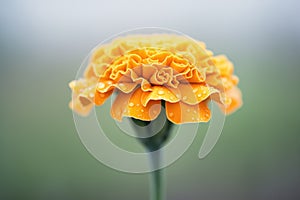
x: 184, y: 98
x: 171, y: 114
x: 91, y: 95
x: 142, y: 110
x: 131, y: 104
x: 102, y: 95
x: 193, y: 118
x: 195, y: 111
x: 101, y: 85
x: 199, y: 95
x: 122, y: 85
x: 178, y: 96
x: 204, y: 92
x: 161, y: 92
x: 138, y: 104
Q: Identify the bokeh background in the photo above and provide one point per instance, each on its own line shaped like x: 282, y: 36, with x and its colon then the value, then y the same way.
x: 42, y: 44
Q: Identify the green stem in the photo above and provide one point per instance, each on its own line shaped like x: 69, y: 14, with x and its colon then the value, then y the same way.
x: 157, y: 178
x: 153, y: 144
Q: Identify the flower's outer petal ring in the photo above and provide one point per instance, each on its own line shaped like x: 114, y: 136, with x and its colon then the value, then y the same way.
x: 223, y: 64
x: 160, y: 93
x: 193, y: 94
x: 106, y: 86
x: 100, y: 98
x: 235, y: 97
x: 130, y: 105
x: 180, y: 112
x: 77, y: 106
x: 82, y: 95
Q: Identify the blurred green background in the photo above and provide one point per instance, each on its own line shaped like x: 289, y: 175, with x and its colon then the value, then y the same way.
x: 42, y: 44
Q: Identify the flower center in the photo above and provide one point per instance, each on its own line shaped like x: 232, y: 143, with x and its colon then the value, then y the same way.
x: 163, y: 76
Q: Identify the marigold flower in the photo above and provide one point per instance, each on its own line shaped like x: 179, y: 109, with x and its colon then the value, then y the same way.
x: 145, y: 70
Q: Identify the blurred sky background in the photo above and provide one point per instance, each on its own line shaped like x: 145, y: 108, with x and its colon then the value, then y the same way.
x: 42, y: 44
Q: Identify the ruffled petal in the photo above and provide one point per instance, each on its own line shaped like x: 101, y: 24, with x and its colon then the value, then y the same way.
x: 235, y: 100
x: 100, y: 98
x: 83, y: 92
x: 79, y: 108
x: 126, y: 87
x: 223, y: 64
x: 159, y: 93
x: 180, y: 112
x: 105, y: 85
x: 130, y: 105
x: 195, y: 93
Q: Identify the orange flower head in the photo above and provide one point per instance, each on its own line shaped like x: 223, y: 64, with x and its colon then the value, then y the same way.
x: 146, y: 70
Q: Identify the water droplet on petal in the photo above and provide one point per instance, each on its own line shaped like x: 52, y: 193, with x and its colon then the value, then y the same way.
x: 122, y: 86
x: 204, y: 92
x: 171, y: 114
x: 184, y: 98
x: 91, y: 95
x: 195, y: 111
x: 178, y: 96
x: 101, y: 85
x: 138, y: 104
x: 102, y: 95
x: 161, y: 92
x: 199, y: 95
x: 142, y: 110
x: 131, y: 104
